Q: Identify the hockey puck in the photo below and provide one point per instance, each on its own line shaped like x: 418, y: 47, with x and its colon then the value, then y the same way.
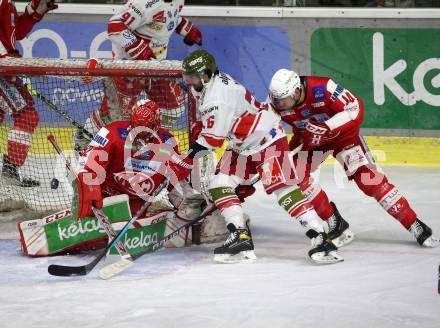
x: 54, y: 183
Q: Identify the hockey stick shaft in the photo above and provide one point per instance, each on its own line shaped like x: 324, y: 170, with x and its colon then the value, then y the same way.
x: 102, y: 218
x: 113, y: 269
x: 52, y: 106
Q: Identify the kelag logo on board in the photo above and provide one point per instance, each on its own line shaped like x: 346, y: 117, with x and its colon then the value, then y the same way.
x: 385, y: 76
x: 396, y: 72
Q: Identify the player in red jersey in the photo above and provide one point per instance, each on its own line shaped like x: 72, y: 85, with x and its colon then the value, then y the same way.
x: 124, y: 158
x: 15, y: 100
x: 326, y: 118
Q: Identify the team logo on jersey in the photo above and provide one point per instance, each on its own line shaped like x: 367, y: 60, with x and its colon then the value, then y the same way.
x: 170, y: 26
x: 336, y: 93
x: 306, y: 112
x: 160, y: 17
x: 123, y: 133
x: 318, y: 92
x: 136, y: 183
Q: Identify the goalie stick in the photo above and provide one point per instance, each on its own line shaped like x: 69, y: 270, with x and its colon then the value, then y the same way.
x: 52, y: 106
x: 82, y: 270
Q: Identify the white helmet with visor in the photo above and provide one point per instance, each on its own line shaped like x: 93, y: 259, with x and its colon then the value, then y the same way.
x: 283, y: 84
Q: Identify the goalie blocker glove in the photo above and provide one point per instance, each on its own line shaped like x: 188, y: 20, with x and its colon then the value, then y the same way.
x: 88, y: 194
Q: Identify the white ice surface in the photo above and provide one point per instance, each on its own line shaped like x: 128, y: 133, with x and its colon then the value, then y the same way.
x: 387, y: 280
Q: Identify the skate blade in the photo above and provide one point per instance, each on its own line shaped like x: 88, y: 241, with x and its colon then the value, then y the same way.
x: 344, y: 239
x: 431, y: 242
x: 240, y: 257
x: 330, y: 258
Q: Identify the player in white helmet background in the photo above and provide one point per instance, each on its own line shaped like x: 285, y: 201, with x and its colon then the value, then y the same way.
x: 257, y: 145
x: 326, y: 118
x: 141, y: 30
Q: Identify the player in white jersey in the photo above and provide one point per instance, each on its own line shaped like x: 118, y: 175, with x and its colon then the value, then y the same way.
x: 257, y: 145
x: 141, y: 30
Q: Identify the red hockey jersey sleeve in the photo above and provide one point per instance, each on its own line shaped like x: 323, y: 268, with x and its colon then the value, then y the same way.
x: 348, y: 109
x: 12, y: 26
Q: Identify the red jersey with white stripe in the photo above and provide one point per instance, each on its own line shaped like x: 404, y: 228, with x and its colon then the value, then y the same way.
x: 229, y: 112
x: 153, y: 20
x: 124, y: 167
x: 326, y: 101
x: 12, y: 27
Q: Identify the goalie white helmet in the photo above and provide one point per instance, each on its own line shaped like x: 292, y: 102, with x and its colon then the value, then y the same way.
x: 283, y: 85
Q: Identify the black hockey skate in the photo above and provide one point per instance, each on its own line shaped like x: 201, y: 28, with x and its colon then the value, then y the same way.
x: 338, y: 229
x: 323, y: 250
x: 423, y: 234
x: 11, y: 176
x: 237, y: 248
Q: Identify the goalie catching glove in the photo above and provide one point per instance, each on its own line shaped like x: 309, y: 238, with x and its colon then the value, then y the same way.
x: 89, y: 194
x: 38, y: 8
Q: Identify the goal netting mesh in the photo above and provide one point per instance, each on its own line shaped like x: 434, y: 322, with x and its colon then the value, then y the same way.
x: 39, y: 97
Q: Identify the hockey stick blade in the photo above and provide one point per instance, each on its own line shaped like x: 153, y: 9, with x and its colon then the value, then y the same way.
x: 117, y: 267
x: 65, y: 271
x: 81, y: 270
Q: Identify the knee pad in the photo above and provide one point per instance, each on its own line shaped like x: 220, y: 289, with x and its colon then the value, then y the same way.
x: 293, y: 201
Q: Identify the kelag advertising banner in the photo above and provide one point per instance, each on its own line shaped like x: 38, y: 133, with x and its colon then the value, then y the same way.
x: 251, y: 54
x: 396, y: 72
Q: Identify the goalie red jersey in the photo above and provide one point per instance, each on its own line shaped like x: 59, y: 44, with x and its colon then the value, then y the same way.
x: 127, y: 167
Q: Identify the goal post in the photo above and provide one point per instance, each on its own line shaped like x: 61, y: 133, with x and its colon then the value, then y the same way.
x: 65, y: 94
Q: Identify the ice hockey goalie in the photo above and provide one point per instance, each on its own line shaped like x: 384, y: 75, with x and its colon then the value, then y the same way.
x: 122, y: 167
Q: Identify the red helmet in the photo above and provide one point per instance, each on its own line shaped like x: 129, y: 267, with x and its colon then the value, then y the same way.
x: 146, y: 113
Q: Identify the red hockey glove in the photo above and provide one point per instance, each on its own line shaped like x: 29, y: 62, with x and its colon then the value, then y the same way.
x: 180, y: 167
x: 38, y: 8
x: 194, y: 36
x: 196, y: 129
x: 190, y: 33
x: 244, y: 191
x: 315, y: 134
x: 89, y: 194
x: 140, y: 50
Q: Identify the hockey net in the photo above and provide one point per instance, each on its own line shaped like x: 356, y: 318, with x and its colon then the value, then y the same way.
x: 65, y: 92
